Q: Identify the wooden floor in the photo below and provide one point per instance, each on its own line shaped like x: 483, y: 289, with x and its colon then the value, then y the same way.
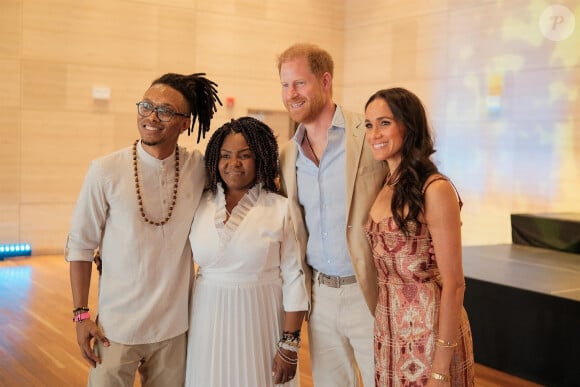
x: 37, y: 338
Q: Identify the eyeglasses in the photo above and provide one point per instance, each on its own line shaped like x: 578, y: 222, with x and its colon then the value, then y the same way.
x: 164, y: 113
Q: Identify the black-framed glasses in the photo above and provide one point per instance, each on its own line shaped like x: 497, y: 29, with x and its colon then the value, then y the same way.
x: 164, y: 113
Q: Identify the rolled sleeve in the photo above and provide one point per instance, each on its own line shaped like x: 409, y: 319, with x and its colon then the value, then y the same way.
x: 88, y: 219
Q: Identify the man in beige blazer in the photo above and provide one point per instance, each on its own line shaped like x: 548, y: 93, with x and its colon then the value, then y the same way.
x: 332, y: 175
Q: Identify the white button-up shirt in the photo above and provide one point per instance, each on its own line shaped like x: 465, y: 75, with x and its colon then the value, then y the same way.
x: 147, y: 269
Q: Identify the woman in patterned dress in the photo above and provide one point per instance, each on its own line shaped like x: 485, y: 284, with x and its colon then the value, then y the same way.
x: 422, y: 334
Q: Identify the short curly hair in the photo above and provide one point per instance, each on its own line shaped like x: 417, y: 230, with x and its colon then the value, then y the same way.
x: 262, y: 143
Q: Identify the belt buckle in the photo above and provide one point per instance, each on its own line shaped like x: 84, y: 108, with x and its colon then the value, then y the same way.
x: 329, y: 280
x: 335, y: 281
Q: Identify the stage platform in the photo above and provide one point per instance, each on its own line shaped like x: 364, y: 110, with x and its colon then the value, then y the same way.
x: 557, y: 231
x: 524, y: 308
x: 524, y: 267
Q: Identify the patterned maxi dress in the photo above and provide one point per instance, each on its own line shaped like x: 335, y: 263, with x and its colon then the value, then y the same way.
x: 407, y: 312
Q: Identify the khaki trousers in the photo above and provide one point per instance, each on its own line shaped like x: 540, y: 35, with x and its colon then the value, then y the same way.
x: 159, y: 364
x: 341, y: 337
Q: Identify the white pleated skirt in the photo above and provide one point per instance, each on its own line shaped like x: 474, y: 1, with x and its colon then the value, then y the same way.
x: 235, y: 322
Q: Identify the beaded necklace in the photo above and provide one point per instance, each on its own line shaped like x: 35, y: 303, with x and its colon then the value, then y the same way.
x: 140, y: 199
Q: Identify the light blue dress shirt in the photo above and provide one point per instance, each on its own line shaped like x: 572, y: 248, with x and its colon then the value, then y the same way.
x: 322, y: 193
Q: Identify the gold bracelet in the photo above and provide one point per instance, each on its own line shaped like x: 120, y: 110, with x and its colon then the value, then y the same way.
x: 440, y: 377
x: 445, y: 344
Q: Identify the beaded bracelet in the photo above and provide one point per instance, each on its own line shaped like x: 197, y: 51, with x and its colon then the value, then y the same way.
x: 440, y: 377
x: 81, y: 317
x: 80, y: 309
x: 291, y: 339
x: 287, y: 335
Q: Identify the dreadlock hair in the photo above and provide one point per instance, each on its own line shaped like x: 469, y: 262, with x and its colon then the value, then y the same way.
x: 262, y: 143
x: 200, y: 94
x: 416, y: 164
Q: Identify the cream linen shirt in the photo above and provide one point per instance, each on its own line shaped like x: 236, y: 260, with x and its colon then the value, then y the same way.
x: 147, y: 269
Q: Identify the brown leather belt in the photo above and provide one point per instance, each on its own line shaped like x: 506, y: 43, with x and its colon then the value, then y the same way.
x: 333, y: 281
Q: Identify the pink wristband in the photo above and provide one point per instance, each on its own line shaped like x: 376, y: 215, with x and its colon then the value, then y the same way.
x: 81, y: 317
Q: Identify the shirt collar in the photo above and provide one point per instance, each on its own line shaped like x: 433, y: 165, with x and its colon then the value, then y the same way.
x: 338, y: 122
x: 150, y: 160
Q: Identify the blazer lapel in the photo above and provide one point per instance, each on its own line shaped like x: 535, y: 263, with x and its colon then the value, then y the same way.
x: 354, y: 132
x: 288, y: 182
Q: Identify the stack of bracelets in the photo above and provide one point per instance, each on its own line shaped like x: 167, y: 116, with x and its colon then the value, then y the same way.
x: 442, y: 344
x: 290, y: 341
x: 81, y: 314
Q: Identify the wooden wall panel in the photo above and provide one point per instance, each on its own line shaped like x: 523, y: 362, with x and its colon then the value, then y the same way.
x: 125, y: 130
x: 375, y: 12
x: 10, y: 156
x: 177, y: 51
x: 9, y: 123
x: 106, y: 33
x: 168, y: 4
x: 126, y: 86
x: 57, y: 152
x: 45, y: 225
x: 10, y: 28
x: 432, y: 49
x: 404, y: 37
x: 409, y: 52
x: 10, y: 81
x: 10, y: 168
x: 368, y: 63
x: 249, y: 94
x: 10, y: 119
x: 10, y: 221
x: 227, y: 50
x: 356, y: 96
x: 225, y: 47
x: 324, y: 14
x: 43, y: 86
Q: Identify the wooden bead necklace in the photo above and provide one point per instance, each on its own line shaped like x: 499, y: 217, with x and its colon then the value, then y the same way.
x: 140, y: 199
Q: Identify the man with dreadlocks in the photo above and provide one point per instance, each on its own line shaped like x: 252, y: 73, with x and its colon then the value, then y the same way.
x: 250, y: 296
x: 135, y: 207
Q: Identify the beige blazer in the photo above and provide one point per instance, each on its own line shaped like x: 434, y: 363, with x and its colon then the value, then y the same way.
x: 364, y: 179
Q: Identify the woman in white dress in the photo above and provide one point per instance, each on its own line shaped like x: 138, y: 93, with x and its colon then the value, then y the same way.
x: 249, y: 297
